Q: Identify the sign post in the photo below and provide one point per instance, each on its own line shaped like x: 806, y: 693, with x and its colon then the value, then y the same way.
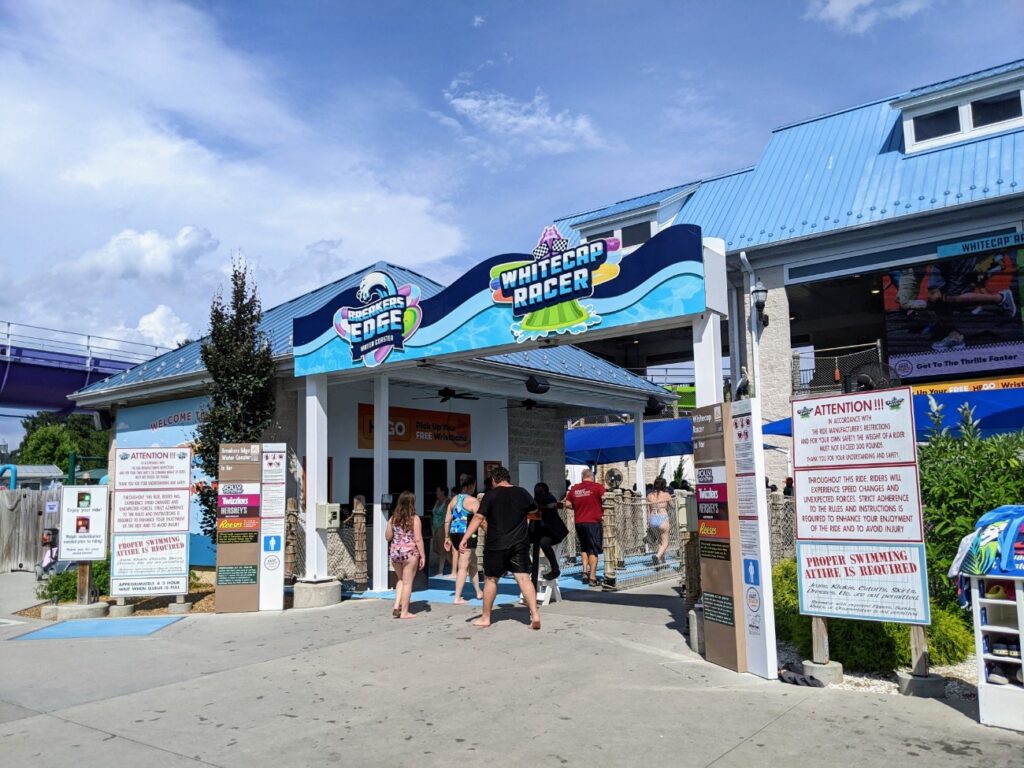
x: 860, y: 536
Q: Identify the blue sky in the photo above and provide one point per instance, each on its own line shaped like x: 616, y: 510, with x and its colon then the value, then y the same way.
x: 141, y: 144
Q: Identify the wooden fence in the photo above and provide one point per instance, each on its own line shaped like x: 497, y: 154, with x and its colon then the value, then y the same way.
x: 23, y: 517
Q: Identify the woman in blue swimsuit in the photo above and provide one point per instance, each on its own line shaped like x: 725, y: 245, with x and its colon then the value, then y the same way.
x: 460, y: 509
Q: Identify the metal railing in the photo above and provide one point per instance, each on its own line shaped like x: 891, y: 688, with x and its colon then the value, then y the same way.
x: 68, y: 348
x: 824, y: 371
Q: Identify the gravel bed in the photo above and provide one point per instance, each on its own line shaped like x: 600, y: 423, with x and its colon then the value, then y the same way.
x: 961, y: 679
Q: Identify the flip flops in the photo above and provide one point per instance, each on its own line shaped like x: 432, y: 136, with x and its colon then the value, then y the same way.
x: 996, y: 676
x: 997, y: 592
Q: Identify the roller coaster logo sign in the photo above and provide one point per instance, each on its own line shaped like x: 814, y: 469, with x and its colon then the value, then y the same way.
x: 389, y: 315
x: 546, y: 293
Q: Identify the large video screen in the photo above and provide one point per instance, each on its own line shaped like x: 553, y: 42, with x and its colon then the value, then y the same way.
x: 956, y: 315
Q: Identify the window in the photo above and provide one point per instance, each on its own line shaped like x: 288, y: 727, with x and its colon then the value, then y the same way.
x: 936, y: 124
x: 601, y: 236
x: 995, y: 109
x: 636, y: 234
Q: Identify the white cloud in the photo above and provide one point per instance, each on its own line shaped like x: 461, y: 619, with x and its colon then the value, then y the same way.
x: 858, y: 16
x: 147, y: 255
x: 479, y: 21
x: 161, y: 327
x: 531, y: 126
x: 144, y: 149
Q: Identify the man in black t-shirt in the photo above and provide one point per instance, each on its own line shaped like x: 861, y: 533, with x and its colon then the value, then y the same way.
x: 507, y: 545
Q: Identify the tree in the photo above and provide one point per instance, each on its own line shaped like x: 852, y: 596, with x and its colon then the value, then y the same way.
x: 241, y: 389
x: 50, y: 437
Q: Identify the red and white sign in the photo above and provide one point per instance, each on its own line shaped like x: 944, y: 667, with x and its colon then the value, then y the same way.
x: 875, y: 504
x: 860, y: 429
x: 139, y: 469
x: 151, y: 511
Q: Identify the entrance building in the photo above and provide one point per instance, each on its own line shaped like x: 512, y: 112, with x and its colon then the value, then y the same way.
x: 390, y: 382
x: 887, y: 238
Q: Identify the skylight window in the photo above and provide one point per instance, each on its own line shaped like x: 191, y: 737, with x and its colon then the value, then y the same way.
x: 945, y: 122
x: 996, y: 109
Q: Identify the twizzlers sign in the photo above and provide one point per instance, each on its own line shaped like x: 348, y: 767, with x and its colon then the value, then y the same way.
x: 860, y: 537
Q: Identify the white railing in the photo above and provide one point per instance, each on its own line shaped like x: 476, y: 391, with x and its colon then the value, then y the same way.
x: 90, y: 348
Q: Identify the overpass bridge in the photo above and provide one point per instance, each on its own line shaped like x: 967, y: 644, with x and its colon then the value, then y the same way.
x: 40, y: 367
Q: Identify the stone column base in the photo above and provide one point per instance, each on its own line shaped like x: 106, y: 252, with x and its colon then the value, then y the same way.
x: 924, y: 687
x: 121, y: 610
x: 696, y: 617
x: 76, y: 611
x: 176, y: 609
x: 829, y: 674
x: 317, y: 594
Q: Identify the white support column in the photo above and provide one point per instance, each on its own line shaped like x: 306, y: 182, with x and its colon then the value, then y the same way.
x: 380, y: 481
x: 707, y: 358
x: 640, y: 452
x: 316, y: 475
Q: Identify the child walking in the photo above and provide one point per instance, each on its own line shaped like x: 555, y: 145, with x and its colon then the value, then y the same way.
x: 406, y: 551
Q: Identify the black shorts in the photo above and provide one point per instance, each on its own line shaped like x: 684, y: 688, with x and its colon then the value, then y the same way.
x: 498, y: 562
x: 456, y: 539
x: 591, y: 536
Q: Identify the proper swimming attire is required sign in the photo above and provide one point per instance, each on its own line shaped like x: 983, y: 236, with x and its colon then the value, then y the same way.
x: 860, y: 536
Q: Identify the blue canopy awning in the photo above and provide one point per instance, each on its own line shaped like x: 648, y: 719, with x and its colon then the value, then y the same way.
x: 999, y: 411
x: 604, y: 445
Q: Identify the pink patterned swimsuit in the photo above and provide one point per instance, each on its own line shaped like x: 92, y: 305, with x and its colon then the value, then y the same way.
x: 403, y: 545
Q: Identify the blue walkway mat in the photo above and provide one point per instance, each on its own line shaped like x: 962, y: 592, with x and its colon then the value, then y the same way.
x: 442, y: 591
x: 79, y: 628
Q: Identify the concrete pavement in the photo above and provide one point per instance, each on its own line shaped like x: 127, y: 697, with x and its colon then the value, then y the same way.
x: 608, y: 681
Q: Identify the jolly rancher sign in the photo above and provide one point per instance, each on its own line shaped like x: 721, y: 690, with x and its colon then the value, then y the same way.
x: 508, y: 302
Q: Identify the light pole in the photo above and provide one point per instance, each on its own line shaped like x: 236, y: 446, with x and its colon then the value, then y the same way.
x: 758, y: 321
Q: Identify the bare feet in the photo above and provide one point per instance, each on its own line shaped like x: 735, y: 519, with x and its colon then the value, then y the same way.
x: 395, y: 613
x: 460, y: 601
x: 479, y: 595
x: 535, y: 623
x: 408, y: 616
x: 482, y: 623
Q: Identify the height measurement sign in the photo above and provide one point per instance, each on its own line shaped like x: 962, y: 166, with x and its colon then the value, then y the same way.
x: 860, y: 535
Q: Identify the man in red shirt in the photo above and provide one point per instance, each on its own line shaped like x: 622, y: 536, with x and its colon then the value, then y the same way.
x: 585, y: 500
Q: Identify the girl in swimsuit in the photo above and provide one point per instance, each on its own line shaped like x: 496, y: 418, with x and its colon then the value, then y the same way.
x: 460, y: 509
x: 406, y: 551
x: 658, y: 501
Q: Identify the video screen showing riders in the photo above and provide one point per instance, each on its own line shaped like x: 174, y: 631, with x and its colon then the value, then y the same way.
x: 955, y: 315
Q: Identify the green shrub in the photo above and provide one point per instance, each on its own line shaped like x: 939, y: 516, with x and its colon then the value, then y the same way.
x: 963, y: 476
x: 64, y: 586
x: 867, y: 646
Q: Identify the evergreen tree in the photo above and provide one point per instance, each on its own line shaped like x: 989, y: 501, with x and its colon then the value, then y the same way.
x: 241, y: 389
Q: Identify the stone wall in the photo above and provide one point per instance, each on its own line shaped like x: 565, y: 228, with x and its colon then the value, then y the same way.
x: 537, y: 435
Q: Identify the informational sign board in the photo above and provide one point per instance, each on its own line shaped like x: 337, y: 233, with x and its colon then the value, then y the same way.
x: 251, y: 502
x: 150, y: 547
x: 719, y: 547
x: 149, y: 564
x: 755, y: 552
x: 417, y: 429
x: 858, y: 507
x: 83, y: 522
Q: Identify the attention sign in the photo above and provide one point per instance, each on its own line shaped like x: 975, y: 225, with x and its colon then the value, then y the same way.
x: 859, y: 526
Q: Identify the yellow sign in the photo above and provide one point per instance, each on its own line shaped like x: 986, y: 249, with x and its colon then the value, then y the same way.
x: 970, y: 385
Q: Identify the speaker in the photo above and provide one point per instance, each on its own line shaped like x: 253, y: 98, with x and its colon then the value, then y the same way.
x: 101, y: 420
x: 537, y: 385
x: 654, y: 406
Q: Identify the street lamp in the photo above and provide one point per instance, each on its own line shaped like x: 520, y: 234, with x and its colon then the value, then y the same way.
x: 759, y: 295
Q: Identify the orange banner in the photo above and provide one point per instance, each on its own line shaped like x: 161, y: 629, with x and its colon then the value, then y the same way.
x: 238, y: 523
x: 413, y: 429
x: 970, y: 385
x: 713, y: 529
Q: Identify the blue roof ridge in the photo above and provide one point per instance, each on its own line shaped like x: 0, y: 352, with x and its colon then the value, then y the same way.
x: 966, y: 78
x: 627, y: 200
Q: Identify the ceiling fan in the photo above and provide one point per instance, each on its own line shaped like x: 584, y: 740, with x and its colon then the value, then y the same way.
x: 528, y: 405
x: 447, y: 393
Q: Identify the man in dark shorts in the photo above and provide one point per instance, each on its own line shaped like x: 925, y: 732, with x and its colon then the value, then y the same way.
x: 507, y: 545
x: 585, y: 500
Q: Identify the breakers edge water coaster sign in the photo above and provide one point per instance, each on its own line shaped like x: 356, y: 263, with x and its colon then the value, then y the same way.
x: 509, y: 302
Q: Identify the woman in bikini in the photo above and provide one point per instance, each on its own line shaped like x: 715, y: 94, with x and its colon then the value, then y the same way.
x: 460, y: 509
x: 406, y: 551
x: 658, y: 501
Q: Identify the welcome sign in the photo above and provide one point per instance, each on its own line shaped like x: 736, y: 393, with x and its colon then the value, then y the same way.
x: 509, y: 302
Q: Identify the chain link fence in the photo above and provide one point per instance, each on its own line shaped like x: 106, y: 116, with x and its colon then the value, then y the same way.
x: 782, y: 527
x: 825, y: 371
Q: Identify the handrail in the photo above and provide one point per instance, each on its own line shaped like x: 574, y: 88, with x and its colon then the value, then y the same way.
x: 52, y: 340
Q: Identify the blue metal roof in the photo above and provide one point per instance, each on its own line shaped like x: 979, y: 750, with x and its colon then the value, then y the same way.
x: 973, y: 77
x: 712, y: 205
x: 277, y: 324
x: 625, y: 206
